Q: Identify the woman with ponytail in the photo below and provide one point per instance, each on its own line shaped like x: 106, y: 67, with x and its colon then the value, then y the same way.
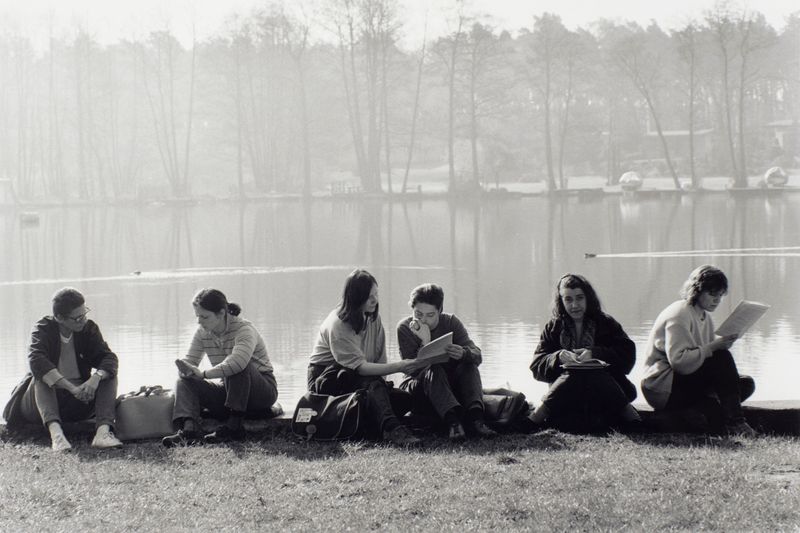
x: 238, y: 356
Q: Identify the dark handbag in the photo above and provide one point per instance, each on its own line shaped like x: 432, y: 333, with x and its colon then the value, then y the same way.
x: 12, y: 411
x: 504, y: 407
x: 144, y: 414
x: 326, y: 417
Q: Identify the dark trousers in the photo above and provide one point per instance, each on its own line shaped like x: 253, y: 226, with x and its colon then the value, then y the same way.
x: 249, y: 391
x: 716, y: 389
x: 440, y: 388
x: 42, y: 403
x: 384, y: 403
x: 585, y: 400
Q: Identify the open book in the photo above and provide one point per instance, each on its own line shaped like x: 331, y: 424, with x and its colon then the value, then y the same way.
x: 589, y: 364
x: 744, y: 315
x: 433, y: 352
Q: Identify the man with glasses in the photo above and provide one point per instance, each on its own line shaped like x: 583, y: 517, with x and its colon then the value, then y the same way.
x: 73, y: 375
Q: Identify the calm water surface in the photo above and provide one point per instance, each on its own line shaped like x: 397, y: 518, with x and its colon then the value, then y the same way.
x: 285, y: 262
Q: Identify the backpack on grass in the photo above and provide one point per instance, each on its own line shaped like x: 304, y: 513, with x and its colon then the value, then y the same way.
x: 328, y: 417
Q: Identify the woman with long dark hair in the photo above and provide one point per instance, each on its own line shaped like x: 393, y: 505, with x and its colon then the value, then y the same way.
x: 585, y: 356
x: 350, y: 354
x: 238, y: 357
x: 689, y: 370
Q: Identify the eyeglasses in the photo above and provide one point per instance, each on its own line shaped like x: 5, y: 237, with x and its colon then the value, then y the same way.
x: 81, y: 317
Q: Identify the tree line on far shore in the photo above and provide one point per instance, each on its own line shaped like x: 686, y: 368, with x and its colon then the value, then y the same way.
x: 279, y: 102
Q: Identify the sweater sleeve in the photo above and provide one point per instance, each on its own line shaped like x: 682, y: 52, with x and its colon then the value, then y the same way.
x: 546, y: 365
x: 683, y: 354
x: 617, y: 349
x: 408, y: 343
x: 243, y: 346
x: 345, y: 346
x: 461, y: 337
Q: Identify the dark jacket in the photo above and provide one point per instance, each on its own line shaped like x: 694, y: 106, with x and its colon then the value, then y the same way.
x: 611, y: 344
x: 91, y: 352
x: 90, y: 349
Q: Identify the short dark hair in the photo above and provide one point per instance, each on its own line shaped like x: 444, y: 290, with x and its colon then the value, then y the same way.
x: 703, y: 278
x: 65, y: 300
x: 356, y: 291
x: 576, y: 281
x: 427, y: 293
x: 215, y: 301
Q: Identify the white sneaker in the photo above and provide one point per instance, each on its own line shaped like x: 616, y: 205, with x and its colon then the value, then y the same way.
x: 60, y: 443
x: 106, y: 439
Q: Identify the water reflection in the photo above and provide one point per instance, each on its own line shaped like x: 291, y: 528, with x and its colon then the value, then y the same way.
x: 284, y: 262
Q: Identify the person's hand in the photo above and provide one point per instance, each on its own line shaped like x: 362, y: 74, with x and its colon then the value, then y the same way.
x: 583, y: 354
x: 88, y: 389
x: 412, y: 366
x: 566, y: 357
x: 723, y: 343
x: 188, y: 370
x: 454, y: 351
x: 421, y: 330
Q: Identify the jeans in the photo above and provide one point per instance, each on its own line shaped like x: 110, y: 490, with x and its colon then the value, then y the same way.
x: 249, y: 391
x: 45, y: 404
x: 384, y: 403
x: 716, y: 388
x: 440, y: 388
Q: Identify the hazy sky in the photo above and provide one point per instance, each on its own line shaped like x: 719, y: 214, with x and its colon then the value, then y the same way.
x: 109, y: 20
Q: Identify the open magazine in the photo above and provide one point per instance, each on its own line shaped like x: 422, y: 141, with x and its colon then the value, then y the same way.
x: 434, y: 352
x: 744, y: 315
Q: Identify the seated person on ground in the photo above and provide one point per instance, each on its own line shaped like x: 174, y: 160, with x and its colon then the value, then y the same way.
x: 453, y: 389
x: 584, y: 396
x: 688, y: 369
x: 238, y: 356
x: 61, y: 386
x: 350, y: 354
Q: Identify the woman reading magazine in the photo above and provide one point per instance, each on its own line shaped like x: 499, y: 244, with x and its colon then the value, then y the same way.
x: 689, y: 370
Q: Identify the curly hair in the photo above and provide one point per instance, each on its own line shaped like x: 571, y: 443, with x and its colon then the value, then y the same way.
x: 703, y: 278
x: 576, y: 281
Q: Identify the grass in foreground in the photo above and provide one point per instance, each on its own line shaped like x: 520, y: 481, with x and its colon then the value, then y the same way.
x: 548, y: 481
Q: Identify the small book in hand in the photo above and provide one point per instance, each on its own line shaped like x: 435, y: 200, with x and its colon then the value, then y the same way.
x: 184, y: 369
x: 589, y: 364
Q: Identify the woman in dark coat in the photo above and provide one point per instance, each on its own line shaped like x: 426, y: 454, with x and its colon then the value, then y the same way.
x: 585, y: 356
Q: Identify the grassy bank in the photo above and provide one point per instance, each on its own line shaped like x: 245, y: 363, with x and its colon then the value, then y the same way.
x: 546, y: 481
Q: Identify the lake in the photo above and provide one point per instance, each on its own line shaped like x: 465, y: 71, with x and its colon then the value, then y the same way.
x: 284, y: 262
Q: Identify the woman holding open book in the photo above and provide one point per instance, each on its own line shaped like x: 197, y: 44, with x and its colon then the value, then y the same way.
x: 585, y: 356
x: 350, y: 354
x: 688, y: 368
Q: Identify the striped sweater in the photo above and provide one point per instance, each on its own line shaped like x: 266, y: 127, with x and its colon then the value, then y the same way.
x: 231, y: 351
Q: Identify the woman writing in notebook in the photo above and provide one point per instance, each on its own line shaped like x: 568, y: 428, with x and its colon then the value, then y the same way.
x: 688, y: 368
x: 584, y: 355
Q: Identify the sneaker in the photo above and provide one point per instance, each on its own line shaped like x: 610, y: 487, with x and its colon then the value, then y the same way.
x: 478, y: 428
x: 181, y: 438
x: 106, y: 439
x: 401, y: 436
x: 225, y: 434
x: 59, y: 443
x: 456, y: 432
x: 741, y: 428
